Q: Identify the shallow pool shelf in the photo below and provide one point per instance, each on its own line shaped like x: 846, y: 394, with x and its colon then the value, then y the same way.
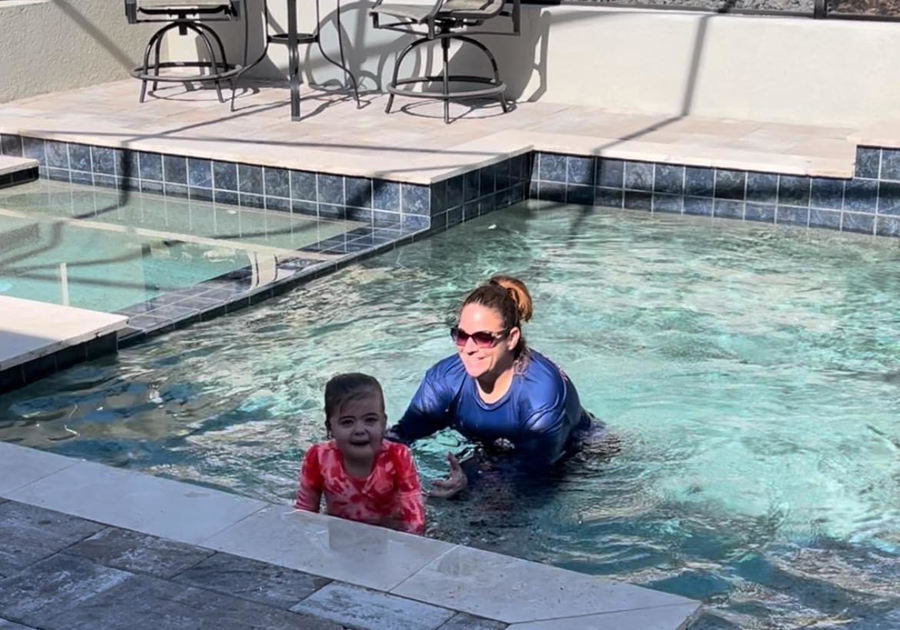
x: 37, y: 339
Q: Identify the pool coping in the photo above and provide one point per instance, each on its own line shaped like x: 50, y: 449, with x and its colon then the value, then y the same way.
x: 524, y: 594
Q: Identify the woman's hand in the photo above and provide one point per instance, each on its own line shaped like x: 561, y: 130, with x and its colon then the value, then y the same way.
x: 455, y: 483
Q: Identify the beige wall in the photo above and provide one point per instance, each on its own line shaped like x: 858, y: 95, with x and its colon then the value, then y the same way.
x: 50, y: 45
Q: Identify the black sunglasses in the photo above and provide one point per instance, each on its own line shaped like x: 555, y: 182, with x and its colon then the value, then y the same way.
x: 482, y: 338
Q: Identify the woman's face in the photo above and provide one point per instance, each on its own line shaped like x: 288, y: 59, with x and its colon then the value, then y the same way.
x: 478, y: 360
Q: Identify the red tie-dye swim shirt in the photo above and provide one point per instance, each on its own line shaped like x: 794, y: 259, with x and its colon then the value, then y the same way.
x: 390, y: 496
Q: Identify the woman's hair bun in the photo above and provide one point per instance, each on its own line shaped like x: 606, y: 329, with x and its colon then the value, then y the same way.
x: 518, y: 292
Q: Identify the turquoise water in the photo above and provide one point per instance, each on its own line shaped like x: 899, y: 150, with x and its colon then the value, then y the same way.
x: 752, y: 372
x: 102, y: 250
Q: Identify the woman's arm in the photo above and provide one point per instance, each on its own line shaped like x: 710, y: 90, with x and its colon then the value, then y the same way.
x: 428, y: 411
x: 309, y: 492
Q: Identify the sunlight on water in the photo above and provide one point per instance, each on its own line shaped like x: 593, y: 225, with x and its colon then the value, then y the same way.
x: 752, y: 372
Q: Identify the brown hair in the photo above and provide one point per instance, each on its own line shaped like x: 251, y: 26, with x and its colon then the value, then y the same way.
x: 510, y: 298
x: 344, y: 387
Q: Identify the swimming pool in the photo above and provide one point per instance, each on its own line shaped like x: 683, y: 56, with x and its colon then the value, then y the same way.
x: 107, y: 250
x: 751, y: 371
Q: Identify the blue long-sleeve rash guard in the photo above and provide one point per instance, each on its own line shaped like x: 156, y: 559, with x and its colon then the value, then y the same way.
x: 538, y: 414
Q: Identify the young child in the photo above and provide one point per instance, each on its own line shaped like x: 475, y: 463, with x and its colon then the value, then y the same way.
x: 364, y: 477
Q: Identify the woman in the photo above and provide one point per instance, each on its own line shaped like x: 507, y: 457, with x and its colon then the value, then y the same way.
x: 495, y: 390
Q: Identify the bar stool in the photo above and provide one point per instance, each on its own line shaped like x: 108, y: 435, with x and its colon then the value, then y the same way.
x: 292, y: 39
x: 186, y: 16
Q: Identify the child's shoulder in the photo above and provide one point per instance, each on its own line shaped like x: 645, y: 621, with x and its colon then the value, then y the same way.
x: 322, y: 448
x: 396, y: 450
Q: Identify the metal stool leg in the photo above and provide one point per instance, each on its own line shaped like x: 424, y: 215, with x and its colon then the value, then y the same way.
x: 394, y: 78
x: 494, y: 67
x: 445, y: 56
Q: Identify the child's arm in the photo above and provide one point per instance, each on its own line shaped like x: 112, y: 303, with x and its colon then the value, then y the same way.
x: 410, y: 510
x: 309, y: 493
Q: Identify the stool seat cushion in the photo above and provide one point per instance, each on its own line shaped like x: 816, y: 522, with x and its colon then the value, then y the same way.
x: 205, y: 5
x: 415, y: 12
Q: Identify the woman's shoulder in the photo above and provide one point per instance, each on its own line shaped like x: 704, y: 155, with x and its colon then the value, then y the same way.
x: 447, y: 371
x: 543, y: 382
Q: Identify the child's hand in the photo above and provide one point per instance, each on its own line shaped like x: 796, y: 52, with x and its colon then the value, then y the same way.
x: 452, y: 485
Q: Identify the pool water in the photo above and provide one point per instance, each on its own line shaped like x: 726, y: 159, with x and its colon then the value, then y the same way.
x: 752, y: 373
x: 105, y: 250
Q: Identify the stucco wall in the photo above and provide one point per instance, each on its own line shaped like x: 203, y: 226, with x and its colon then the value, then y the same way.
x: 51, y: 45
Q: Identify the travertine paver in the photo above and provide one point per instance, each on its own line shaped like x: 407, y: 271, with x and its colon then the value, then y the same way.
x: 30, y: 534
x: 140, y: 553
x: 513, y: 590
x: 20, y: 466
x: 161, y: 507
x: 374, y: 557
x: 372, y: 610
x: 335, y: 136
x: 463, y: 621
x: 646, y: 619
x: 250, y: 579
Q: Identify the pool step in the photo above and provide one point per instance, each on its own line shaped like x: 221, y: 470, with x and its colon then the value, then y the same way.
x: 17, y: 170
x: 37, y: 339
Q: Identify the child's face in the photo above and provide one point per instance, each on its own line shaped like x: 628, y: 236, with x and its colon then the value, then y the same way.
x: 358, y: 428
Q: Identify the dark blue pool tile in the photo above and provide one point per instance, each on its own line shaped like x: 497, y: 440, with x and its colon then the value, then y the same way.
x: 416, y: 199
x: 250, y: 179
x: 174, y: 169
x: 330, y: 188
x: 486, y: 183
x: 332, y: 211
x: 454, y: 216
x: 582, y: 195
x: 247, y: 200
x: 669, y: 179
x: 34, y: 148
x: 174, y: 190
x: 454, y: 192
x: 11, y: 145
x: 698, y: 205
x: 57, y: 154
x: 867, y: 162
x: 728, y: 209
x: 534, y: 188
x: 224, y: 175
x: 471, y: 186
x: 635, y: 200
x: 60, y: 174
x: 608, y: 197
x: 889, y: 198
x: 520, y: 167
x: 730, y: 184
x: 856, y: 222
x: 762, y: 188
x: 104, y: 161
x: 363, y: 215
x: 150, y: 166
x: 698, y: 182
x: 302, y: 206
x: 552, y: 191
x: 793, y: 191
x: 610, y: 173
x: 580, y: 170
x: 470, y: 211
x: 438, y: 197
x: 887, y: 226
x: 200, y: 173
x: 502, y: 179
x: 410, y: 222
x: 825, y: 218
x: 764, y: 213
x: 792, y: 215
x: 358, y: 191
x: 277, y: 182
x: 826, y: 193
x: 131, y: 183
x: 228, y: 197
x: 147, y: 185
x: 383, y: 218
x: 303, y: 185
x: 552, y: 167
x: 80, y: 177
x: 890, y: 164
x: 107, y: 181
x: 638, y: 176
x: 861, y: 195
x: 386, y: 195
x: 667, y: 203
x: 200, y: 194
x: 279, y: 204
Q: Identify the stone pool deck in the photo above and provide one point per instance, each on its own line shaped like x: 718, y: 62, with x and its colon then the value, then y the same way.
x: 86, y: 546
